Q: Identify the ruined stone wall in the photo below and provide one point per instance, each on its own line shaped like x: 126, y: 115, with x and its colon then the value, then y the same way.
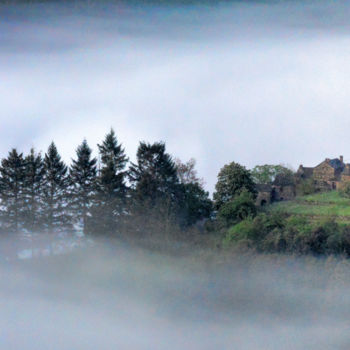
x: 345, y: 179
x: 263, y: 198
x: 286, y: 192
x: 324, y: 173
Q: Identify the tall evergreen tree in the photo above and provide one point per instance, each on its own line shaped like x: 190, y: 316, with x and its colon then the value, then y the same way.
x: 154, y: 175
x: 113, y: 162
x: 11, y: 190
x: 111, y: 184
x: 155, y: 192
x: 55, y: 191
x: 33, y: 187
x: 83, y: 178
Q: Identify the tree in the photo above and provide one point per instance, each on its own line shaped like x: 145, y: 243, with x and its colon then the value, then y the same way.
x: 55, y: 191
x: 239, y: 208
x: 267, y: 174
x: 11, y: 190
x: 111, y: 185
x: 33, y: 187
x: 187, y: 173
x: 195, y: 204
x: 155, y: 191
x: 233, y: 178
x: 154, y: 175
x: 83, y: 181
x: 113, y: 160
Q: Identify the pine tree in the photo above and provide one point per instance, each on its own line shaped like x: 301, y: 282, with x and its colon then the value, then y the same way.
x: 33, y: 187
x: 83, y: 177
x: 155, y: 195
x: 111, y: 185
x: 55, y: 191
x: 155, y: 173
x: 11, y: 190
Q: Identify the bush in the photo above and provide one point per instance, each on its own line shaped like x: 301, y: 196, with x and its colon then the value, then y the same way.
x: 255, y: 229
x: 346, y: 240
x: 246, y: 230
x: 345, y: 191
x: 240, y: 208
x: 298, y: 224
x: 295, y: 234
x: 306, y: 187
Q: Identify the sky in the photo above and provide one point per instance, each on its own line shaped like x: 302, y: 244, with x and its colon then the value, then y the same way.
x: 256, y: 83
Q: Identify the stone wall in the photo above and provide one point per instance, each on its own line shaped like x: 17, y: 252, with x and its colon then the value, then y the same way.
x: 285, y: 193
x: 263, y: 198
x: 324, y: 173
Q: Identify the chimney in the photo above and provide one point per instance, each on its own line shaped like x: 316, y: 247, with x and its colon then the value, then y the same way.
x: 341, y: 158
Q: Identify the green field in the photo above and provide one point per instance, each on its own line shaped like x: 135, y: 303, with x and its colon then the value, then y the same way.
x: 317, y: 206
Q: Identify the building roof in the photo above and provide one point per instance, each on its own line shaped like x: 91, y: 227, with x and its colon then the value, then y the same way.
x: 337, y: 164
x: 308, y: 171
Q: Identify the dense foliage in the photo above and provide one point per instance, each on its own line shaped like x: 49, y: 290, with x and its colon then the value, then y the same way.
x: 233, y: 178
x: 290, y: 233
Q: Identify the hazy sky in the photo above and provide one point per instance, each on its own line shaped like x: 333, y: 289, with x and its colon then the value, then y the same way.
x: 254, y: 84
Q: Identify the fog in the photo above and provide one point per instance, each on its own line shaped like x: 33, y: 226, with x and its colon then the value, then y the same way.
x: 113, y: 297
x: 251, y: 82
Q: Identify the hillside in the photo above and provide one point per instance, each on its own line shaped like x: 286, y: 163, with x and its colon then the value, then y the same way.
x: 317, y: 206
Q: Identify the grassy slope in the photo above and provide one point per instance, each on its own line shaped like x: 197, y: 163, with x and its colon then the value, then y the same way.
x: 317, y: 206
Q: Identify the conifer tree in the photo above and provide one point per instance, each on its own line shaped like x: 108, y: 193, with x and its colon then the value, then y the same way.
x: 83, y: 177
x: 155, y: 196
x: 154, y: 175
x: 55, y: 191
x: 33, y: 187
x: 111, y: 184
x: 11, y: 190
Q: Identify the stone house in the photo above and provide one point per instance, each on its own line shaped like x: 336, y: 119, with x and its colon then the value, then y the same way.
x: 330, y: 174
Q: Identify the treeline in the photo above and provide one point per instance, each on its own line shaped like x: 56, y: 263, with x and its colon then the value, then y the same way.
x: 109, y: 196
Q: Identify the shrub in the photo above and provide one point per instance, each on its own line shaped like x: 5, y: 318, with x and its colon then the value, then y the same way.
x: 240, y: 208
x: 274, y: 241
x: 317, y: 241
x: 245, y: 230
x: 306, y: 187
x: 298, y: 224
x: 335, y: 243
x: 346, y: 240
x: 255, y: 229
x: 345, y: 191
